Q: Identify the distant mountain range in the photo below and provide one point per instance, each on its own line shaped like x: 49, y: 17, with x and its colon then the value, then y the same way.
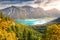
x: 42, y: 28
x: 27, y: 12
x: 56, y: 20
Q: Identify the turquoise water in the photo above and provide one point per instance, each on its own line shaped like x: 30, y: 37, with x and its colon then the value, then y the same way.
x: 31, y: 21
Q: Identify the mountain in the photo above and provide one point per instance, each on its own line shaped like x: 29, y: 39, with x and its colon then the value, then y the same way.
x: 53, y: 13
x: 28, y: 12
x: 23, y: 12
x: 42, y: 28
x: 56, y: 20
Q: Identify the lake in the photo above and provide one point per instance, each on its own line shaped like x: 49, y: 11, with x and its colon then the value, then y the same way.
x: 32, y: 21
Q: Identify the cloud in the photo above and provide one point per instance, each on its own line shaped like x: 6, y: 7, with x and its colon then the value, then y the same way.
x: 4, y: 6
x: 16, y: 0
x: 8, y: 3
x: 13, y: 1
x: 45, y: 4
x: 50, y: 4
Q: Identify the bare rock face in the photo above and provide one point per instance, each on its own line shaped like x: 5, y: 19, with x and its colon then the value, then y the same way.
x: 27, y: 12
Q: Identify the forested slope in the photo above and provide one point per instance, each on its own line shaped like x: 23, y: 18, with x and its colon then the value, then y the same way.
x: 11, y: 31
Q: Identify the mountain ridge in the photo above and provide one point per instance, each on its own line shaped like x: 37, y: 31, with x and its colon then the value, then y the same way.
x: 28, y: 12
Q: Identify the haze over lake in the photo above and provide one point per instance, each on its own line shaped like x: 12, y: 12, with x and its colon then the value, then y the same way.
x: 32, y: 21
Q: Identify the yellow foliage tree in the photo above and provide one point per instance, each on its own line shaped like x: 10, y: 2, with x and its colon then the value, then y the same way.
x: 53, y: 32
x: 11, y: 31
x: 4, y: 35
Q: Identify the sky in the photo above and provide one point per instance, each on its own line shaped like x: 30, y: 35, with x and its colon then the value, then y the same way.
x: 8, y: 3
x: 45, y: 4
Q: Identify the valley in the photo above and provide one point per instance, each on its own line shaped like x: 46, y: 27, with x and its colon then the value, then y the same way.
x: 29, y: 19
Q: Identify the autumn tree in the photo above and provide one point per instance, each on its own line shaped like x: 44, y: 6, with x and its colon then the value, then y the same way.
x: 53, y: 32
x: 9, y: 30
